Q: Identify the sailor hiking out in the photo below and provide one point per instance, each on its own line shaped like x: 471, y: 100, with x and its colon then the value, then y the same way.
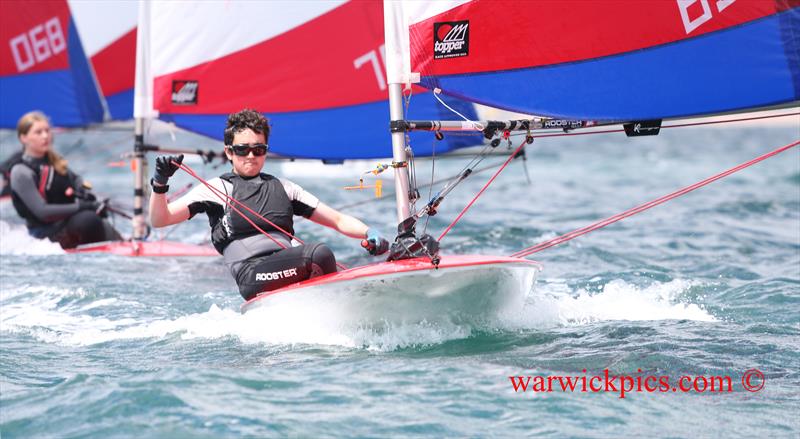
x: 256, y: 241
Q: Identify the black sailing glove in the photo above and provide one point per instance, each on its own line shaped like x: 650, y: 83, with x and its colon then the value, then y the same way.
x: 375, y: 243
x: 166, y: 165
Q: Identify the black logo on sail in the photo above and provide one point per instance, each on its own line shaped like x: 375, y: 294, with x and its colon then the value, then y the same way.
x: 450, y: 39
x: 184, y: 92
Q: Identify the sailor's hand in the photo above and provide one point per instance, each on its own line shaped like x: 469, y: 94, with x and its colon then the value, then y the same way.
x: 85, y: 194
x: 94, y: 206
x: 166, y: 165
x: 375, y: 243
x: 102, y: 208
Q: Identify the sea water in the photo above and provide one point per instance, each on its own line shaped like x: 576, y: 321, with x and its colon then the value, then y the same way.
x: 705, y: 286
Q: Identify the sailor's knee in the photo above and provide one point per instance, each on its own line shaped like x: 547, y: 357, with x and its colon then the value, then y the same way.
x: 322, y: 259
x: 86, y: 221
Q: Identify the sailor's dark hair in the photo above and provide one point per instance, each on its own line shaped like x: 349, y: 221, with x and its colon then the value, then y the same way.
x: 247, y: 118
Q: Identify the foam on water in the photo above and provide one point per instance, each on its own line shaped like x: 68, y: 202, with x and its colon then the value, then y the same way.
x: 555, y: 304
x: 45, y: 314
x: 15, y: 240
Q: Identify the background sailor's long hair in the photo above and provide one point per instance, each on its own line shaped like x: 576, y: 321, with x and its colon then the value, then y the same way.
x: 24, y: 125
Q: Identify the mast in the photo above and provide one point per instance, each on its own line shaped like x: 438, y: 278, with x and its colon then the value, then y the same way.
x: 139, y: 224
x: 397, y: 76
x: 142, y: 109
x: 399, y: 154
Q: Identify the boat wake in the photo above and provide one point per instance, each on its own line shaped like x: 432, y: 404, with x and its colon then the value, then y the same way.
x: 556, y: 304
x: 15, y: 240
x: 78, y: 318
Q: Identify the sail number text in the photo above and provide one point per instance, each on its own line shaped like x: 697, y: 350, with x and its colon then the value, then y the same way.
x: 38, y: 44
x: 692, y: 23
x: 371, y: 58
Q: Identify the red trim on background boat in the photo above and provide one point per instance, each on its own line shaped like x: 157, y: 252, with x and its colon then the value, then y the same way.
x: 146, y: 248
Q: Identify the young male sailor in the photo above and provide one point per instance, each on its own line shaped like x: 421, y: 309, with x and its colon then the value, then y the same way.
x: 54, y: 201
x: 257, y: 262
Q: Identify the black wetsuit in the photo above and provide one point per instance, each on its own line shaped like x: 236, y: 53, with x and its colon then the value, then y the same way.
x: 47, y: 202
x: 5, y: 170
x: 257, y: 262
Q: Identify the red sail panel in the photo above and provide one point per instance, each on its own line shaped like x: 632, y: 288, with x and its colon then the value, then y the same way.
x: 293, y: 71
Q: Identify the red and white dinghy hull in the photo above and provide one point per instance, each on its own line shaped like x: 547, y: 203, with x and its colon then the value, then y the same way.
x: 146, y: 248
x: 463, y: 289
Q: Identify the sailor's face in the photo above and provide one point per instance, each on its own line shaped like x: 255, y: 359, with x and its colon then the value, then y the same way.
x: 250, y: 165
x: 38, y: 139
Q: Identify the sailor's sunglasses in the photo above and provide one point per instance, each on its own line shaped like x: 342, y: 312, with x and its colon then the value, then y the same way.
x: 243, y: 150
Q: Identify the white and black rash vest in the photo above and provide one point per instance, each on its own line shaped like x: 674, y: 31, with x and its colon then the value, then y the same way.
x: 41, y: 195
x: 277, y: 200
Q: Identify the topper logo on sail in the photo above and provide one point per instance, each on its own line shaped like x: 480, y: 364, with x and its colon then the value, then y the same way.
x: 184, y: 92
x: 450, y: 39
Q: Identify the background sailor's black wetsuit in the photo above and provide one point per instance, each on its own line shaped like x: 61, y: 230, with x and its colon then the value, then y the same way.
x: 5, y: 170
x: 53, y: 213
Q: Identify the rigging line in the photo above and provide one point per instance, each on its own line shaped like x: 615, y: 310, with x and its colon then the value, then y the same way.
x: 223, y: 198
x: 477, y: 125
x: 430, y: 186
x: 713, y: 122
x: 510, y: 157
x: 170, y: 198
x: 610, y: 220
x: 388, y: 195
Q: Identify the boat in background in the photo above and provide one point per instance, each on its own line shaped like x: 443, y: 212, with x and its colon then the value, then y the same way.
x: 44, y: 67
